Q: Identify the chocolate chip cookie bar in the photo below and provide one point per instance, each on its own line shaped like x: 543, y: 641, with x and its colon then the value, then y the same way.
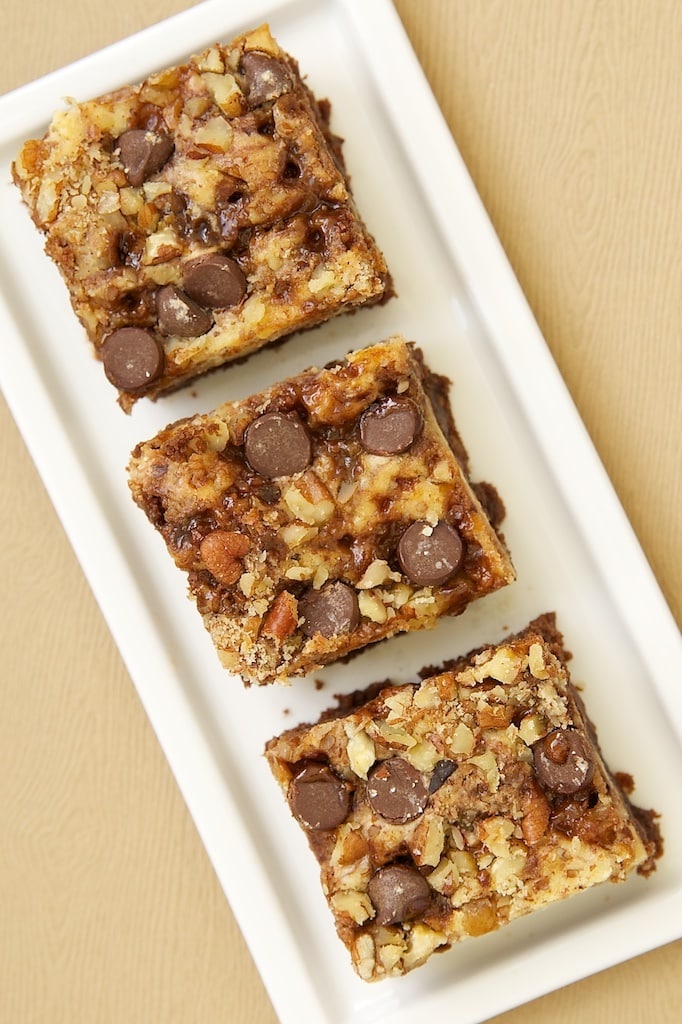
x: 200, y: 215
x: 324, y: 514
x: 442, y: 810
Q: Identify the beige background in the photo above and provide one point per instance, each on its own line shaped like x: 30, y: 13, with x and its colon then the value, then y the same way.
x: 569, y: 116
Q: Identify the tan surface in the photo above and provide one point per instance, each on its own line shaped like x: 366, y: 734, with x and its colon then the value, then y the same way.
x: 569, y: 117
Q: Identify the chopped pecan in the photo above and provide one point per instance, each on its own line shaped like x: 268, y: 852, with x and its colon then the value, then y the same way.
x: 221, y: 552
x: 282, y: 618
x: 536, y: 812
x: 354, y: 847
x: 495, y: 716
x: 584, y: 816
x: 479, y: 917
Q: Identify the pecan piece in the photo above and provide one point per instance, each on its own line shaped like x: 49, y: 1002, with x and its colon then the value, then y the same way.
x: 495, y: 716
x: 282, y: 618
x: 221, y: 552
x: 536, y: 812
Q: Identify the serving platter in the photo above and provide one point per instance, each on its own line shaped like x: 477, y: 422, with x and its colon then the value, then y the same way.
x: 573, y: 548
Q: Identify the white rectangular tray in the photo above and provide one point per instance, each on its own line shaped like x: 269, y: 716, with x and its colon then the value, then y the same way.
x: 572, y: 545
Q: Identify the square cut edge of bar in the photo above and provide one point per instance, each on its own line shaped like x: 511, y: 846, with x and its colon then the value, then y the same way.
x: 443, y: 810
x: 228, y: 161
x: 294, y: 565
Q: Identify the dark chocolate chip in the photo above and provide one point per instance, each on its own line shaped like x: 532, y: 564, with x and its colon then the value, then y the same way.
x: 130, y: 248
x: 229, y: 191
x: 136, y: 307
x: 171, y: 202
x: 269, y: 493
x: 277, y: 444
x: 215, y: 281
x: 331, y: 610
x: 441, y: 773
x: 430, y: 555
x: 291, y: 170
x: 563, y: 761
x: 267, y: 127
x: 319, y: 799
x: 201, y: 229
x: 396, y: 790
x: 389, y: 426
x: 179, y: 315
x: 266, y: 77
x: 150, y: 117
x: 132, y: 357
x: 314, y: 240
x: 143, y: 153
x: 399, y: 893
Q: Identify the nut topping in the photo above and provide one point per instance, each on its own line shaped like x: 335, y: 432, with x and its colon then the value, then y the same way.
x: 536, y: 813
x: 361, y: 753
x: 221, y: 552
x: 282, y: 619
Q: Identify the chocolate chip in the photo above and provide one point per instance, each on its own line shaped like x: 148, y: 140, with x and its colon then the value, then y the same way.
x: 179, y: 315
x: 334, y: 224
x: 130, y: 248
x: 171, y: 202
x: 269, y: 494
x: 389, y: 426
x: 277, y: 444
x: 229, y: 191
x: 319, y: 799
x: 266, y: 77
x: 399, y: 893
x: 329, y: 611
x: 267, y: 127
x: 563, y: 761
x: 291, y: 170
x: 430, y: 555
x: 132, y: 357
x: 143, y: 153
x: 441, y: 773
x: 215, y: 281
x: 150, y: 117
x: 313, y: 240
x: 201, y: 229
x: 396, y: 790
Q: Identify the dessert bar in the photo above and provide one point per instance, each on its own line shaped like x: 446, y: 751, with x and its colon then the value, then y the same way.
x: 442, y: 810
x: 200, y: 215
x: 324, y: 514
